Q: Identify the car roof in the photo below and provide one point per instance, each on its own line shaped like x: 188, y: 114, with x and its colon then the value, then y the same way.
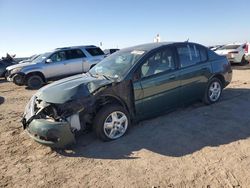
x: 148, y: 46
x: 151, y: 46
x: 74, y: 47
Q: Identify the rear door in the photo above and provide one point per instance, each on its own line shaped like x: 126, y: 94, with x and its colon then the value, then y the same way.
x: 158, y: 88
x: 195, y: 70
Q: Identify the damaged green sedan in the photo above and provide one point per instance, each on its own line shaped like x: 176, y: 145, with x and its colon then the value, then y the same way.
x: 128, y: 86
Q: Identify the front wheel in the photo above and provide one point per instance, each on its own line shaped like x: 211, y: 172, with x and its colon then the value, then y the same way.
x: 213, y: 91
x: 34, y: 82
x: 111, y: 122
x: 18, y: 80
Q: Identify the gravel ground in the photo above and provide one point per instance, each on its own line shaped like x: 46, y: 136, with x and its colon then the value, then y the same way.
x: 197, y: 146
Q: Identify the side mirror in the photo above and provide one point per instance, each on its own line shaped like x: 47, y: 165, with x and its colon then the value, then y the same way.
x: 48, y: 61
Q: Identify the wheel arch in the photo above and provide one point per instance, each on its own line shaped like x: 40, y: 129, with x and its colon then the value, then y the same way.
x: 110, y: 99
x: 221, y: 78
x: 35, y: 73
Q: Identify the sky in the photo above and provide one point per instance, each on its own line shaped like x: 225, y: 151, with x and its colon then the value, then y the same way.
x: 30, y: 27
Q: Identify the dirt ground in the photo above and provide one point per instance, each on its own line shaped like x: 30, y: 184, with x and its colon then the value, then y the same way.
x: 197, y: 146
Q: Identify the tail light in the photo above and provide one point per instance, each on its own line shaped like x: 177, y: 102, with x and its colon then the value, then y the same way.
x: 246, y: 48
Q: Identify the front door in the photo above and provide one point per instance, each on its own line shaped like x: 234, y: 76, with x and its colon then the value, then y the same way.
x: 158, y: 89
x: 57, y: 66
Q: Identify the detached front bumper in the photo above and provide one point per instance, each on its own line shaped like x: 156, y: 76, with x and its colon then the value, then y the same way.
x: 55, y: 134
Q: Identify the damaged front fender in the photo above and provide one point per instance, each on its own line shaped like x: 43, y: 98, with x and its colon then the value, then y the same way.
x: 53, y: 134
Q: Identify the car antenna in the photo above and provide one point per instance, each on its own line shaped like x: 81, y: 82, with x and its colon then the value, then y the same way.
x: 187, y: 40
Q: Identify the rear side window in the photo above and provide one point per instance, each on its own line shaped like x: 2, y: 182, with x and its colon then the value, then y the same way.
x: 190, y: 54
x: 74, y: 54
x: 94, y: 51
x: 203, y: 53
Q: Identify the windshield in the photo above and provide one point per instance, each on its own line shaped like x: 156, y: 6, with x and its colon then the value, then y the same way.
x: 118, y: 64
x: 41, y: 57
x: 229, y: 47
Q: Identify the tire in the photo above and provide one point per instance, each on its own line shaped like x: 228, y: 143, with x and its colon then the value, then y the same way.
x: 209, y: 97
x: 18, y: 80
x: 5, y: 74
x: 34, y: 82
x: 113, y: 129
x: 243, y: 61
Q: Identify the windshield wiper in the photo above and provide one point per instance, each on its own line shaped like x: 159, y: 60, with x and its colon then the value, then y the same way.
x: 107, y: 77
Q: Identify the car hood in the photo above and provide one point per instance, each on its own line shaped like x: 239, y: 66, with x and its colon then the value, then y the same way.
x: 21, y: 65
x: 24, y: 61
x: 71, y: 88
x: 224, y: 52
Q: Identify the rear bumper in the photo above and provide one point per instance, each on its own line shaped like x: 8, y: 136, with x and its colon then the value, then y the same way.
x: 228, y: 76
x: 234, y: 58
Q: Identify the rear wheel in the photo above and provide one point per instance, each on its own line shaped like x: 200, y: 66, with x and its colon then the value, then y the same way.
x: 213, y: 91
x: 34, y: 82
x: 111, y: 122
x: 243, y: 61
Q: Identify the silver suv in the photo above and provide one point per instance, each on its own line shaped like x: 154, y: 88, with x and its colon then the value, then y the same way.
x: 61, y: 62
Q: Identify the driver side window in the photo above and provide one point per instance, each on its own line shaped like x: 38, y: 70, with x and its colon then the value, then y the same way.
x: 158, y: 62
x: 58, y: 56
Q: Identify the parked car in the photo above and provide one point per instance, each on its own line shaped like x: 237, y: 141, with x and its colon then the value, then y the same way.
x: 110, y: 51
x: 56, y: 64
x: 236, y: 53
x: 4, y: 63
x: 128, y: 86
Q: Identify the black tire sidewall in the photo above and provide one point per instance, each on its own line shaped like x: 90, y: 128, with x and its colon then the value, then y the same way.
x: 243, y: 61
x: 207, y: 99
x: 15, y: 82
x: 101, y: 116
x: 31, y: 85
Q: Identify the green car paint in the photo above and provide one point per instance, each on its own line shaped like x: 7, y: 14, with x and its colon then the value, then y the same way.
x: 143, y: 97
x: 59, y: 133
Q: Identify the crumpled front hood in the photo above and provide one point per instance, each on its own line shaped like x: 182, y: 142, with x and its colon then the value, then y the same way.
x: 71, y: 88
x: 20, y: 65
